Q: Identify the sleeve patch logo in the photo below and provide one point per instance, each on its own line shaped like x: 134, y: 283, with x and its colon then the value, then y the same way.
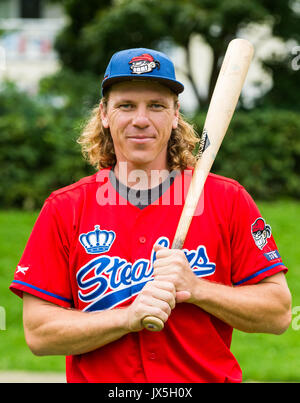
x: 21, y: 269
x: 260, y: 232
x: 274, y: 254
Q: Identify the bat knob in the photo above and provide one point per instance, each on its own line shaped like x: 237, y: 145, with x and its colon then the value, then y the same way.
x: 153, y: 324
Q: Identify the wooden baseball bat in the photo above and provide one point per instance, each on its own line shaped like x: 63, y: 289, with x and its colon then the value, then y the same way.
x: 226, y: 93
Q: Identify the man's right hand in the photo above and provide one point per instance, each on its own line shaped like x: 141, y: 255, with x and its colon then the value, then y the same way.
x: 157, y: 298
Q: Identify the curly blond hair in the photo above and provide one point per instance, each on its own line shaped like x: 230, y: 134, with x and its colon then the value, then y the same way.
x: 98, y: 148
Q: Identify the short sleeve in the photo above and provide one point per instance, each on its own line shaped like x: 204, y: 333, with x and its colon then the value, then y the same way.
x: 43, y: 270
x: 254, y: 254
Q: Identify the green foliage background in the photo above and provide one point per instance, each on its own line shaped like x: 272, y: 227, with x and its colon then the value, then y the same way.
x: 38, y: 150
x: 261, y: 150
x: 39, y: 153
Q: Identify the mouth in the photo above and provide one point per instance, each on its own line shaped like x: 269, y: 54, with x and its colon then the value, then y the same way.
x: 140, y: 138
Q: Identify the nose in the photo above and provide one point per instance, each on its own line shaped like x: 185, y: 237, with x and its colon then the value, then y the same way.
x: 140, y: 118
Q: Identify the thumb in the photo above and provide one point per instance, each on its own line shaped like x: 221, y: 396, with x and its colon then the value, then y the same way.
x: 157, y: 247
x: 182, y: 296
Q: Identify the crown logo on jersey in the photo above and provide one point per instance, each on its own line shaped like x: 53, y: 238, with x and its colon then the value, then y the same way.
x: 97, y: 241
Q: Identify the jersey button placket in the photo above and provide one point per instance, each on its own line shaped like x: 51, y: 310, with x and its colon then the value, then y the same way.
x: 152, y: 356
x: 150, y: 343
x: 142, y: 239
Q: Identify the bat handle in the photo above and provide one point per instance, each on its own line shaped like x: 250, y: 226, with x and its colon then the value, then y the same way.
x: 153, y: 324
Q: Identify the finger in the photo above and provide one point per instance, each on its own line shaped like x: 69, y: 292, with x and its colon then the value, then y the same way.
x: 161, y: 284
x: 164, y: 299
x: 163, y: 252
x: 155, y: 307
x: 162, y: 306
x: 165, y: 273
x: 163, y: 261
x: 169, y: 271
x: 161, y: 290
x: 177, y: 255
x: 173, y: 278
x: 183, y: 296
x: 158, y: 247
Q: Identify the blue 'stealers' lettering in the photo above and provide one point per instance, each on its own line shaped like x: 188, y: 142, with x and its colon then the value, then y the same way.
x: 108, y: 281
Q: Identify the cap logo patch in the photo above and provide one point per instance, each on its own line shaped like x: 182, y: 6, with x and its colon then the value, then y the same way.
x: 260, y: 232
x: 144, y: 63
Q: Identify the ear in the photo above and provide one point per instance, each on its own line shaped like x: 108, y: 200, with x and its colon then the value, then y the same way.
x: 104, y: 116
x: 176, y: 116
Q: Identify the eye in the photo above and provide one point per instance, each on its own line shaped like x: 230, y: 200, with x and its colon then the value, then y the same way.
x: 157, y: 107
x: 126, y: 106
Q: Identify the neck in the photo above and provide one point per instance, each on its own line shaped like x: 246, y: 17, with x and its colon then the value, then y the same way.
x: 140, y: 177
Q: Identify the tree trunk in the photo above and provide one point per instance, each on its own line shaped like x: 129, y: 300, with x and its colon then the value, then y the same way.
x: 200, y: 99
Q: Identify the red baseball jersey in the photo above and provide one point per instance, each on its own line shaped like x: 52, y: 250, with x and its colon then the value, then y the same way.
x: 92, y: 249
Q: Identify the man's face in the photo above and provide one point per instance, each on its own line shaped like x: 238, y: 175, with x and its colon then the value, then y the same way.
x: 140, y: 116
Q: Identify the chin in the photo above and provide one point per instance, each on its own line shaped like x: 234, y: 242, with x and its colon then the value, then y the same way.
x: 141, y: 159
x: 140, y: 162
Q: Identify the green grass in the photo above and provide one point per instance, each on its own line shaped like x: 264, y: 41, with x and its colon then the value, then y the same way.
x: 268, y: 357
x: 262, y: 357
x: 15, y: 228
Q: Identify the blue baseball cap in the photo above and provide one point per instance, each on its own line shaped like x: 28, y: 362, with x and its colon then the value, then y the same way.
x: 141, y: 64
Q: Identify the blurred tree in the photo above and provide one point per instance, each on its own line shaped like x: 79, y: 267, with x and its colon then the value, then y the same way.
x: 69, y: 45
x: 38, y: 149
x: 284, y: 68
x: 99, y: 28
x: 285, y: 75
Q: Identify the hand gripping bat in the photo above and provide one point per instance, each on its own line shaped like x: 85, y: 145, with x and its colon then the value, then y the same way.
x: 226, y: 93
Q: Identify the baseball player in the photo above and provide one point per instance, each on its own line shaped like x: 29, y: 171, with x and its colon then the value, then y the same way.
x: 98, y: 260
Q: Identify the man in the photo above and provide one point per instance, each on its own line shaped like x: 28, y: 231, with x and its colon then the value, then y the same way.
x: 86, y: 275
